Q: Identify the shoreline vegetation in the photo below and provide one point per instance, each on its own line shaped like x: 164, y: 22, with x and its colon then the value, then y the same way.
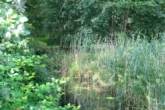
x: 125, y: 75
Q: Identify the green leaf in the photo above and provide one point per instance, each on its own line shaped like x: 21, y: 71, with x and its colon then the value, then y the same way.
x: 16, y: 39
x: 23, y: 19
x: 110, y: 98
x: 7, y: 35
x: 25, y: 32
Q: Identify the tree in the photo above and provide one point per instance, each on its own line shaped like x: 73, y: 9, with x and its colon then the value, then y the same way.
x: 65, y: 20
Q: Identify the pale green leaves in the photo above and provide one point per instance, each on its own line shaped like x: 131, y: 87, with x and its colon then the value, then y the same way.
x: 7, y: 35
x: 12, y: 22
x: 23, y: 19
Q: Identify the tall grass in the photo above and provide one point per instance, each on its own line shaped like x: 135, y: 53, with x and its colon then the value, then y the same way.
x: 116, y: 75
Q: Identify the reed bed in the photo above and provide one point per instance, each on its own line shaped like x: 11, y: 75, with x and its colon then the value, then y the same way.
x: 115, y: 75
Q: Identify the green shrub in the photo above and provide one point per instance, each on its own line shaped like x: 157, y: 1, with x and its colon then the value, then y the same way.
x: 23, y: 86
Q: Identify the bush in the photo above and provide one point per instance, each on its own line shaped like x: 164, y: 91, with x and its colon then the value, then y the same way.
x: 23, y: 87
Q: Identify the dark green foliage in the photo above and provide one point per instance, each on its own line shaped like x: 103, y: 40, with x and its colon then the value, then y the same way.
x: 63, y: 20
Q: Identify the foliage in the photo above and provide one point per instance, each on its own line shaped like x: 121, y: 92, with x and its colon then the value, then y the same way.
x: 13, y: 21
x: 21, y: 47
x: 113, y: 74
x: 35, y: 16
x: 64, y: 20
x: 24, y: 84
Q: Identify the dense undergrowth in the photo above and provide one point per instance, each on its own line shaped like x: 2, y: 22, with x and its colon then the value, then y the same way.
x: 116, y: 75
x: 26, y: 83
